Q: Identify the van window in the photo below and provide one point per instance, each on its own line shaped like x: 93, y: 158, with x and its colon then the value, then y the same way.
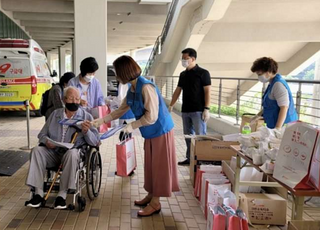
x: 41, y: 68
x: 14, y: 68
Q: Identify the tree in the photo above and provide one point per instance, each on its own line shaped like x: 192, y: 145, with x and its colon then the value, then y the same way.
x: 306, y: 74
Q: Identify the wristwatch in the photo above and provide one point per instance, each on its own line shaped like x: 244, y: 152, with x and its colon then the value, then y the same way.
x: 207, y: 108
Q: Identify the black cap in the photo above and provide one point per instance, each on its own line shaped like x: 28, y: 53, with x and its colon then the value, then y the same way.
x: 88, y: 65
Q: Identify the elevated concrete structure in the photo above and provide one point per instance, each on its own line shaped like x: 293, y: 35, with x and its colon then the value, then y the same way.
x: 51, y: 21
x: 230, y: 35
x: 132, y: 24
x: 65, y: 26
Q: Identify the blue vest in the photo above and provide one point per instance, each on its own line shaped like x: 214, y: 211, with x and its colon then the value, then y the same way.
x: 271, y: 108
x: 129, y: 114
x: 164, y: 123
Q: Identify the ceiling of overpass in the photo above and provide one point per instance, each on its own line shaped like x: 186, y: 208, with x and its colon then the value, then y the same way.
x: 273, y: 28
x: 50, y: 22
x: 132, y: 24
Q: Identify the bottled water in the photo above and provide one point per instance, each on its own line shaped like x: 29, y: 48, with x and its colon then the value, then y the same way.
x: 246, y: 129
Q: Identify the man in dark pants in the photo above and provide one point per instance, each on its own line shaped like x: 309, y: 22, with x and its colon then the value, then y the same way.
x: 194, y: 83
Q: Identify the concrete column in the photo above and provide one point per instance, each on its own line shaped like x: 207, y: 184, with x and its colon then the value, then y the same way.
x: 132, y: 54
x: 91, y: 36
x: 73, y: 55
x: 49, y: 60
x: 316, y: 92
x: 62, y: 60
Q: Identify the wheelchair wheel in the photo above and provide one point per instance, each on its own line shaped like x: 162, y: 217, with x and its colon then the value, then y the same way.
x: 94, y: 174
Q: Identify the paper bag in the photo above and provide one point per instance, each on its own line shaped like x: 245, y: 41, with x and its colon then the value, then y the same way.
x: 295, y: 155
x: 216, y: 218
x: 213, y: 169
x: 209, y: 179
x: 214, y: 195
x: 213, y: 179
x: 246, y: 118
x: 126, y: 157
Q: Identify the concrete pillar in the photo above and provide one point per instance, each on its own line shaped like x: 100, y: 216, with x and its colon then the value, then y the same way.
x: 316, y: 93
x: 49, y: 60
x: 62, y: 60
x: 91, y: 36
x: 73, y: 55
x: 132, y: 54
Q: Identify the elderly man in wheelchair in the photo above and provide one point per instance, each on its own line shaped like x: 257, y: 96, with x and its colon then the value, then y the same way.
x: 48, y: 155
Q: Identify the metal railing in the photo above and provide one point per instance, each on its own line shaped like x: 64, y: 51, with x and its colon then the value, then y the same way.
x: 157, y: 48
x: 231, y: 97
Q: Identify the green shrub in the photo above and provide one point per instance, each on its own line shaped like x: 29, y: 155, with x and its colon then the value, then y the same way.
x: 230, y: 110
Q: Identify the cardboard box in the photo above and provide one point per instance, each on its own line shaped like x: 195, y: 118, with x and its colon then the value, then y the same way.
x: 303, y: 225
x: 281, y: 191
x: 246, y: 119
x: 209, y: 149
x: 267, y: 209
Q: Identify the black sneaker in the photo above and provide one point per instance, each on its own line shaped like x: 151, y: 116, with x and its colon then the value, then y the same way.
x: 36, y: 201
x: 185, y: 162
x: 60, y: 203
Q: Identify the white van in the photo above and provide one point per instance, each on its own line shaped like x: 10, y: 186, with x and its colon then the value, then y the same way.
x: 24, y: 74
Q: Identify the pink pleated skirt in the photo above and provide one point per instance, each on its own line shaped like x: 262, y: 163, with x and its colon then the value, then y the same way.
x: 160, y: 166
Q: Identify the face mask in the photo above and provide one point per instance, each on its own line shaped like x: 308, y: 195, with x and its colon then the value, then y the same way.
x: 185, y: 63
x: 72, y: 106
x: 88, y: 78
x: 263, y: 78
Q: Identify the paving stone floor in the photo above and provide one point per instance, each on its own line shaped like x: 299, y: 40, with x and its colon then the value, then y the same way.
x: 113, y: 209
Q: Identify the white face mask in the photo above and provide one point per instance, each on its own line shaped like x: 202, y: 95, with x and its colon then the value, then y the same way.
x: 263, y: 78
x: 88, y: 78
x: 185, y: 63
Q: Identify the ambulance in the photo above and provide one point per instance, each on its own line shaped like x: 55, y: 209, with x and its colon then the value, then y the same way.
x: 24, y: 75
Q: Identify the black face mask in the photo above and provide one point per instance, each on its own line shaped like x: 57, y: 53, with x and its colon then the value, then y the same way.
x: 72, y: 106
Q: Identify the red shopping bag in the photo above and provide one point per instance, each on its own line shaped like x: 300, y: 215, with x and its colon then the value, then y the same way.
x: 216, y: 218
x: 243, y: 219
x: 126, y: 157
x: 244, y: 224
x: 197, y: 183
x: 234, y: 223
x: 100, y: 112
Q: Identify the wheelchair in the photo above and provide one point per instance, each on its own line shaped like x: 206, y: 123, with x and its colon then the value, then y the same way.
x: 88, y: 175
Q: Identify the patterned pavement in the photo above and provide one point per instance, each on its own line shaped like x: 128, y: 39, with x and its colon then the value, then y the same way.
x: 113, y: 209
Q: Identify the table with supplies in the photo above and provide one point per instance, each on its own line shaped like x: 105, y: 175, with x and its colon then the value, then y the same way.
x: 297, y: 194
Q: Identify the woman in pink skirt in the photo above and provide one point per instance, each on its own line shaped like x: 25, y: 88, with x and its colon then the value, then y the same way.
x: 156, y: 126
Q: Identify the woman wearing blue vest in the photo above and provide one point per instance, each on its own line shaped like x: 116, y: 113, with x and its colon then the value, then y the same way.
x: 156, y: 127
x: 278, y: 104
